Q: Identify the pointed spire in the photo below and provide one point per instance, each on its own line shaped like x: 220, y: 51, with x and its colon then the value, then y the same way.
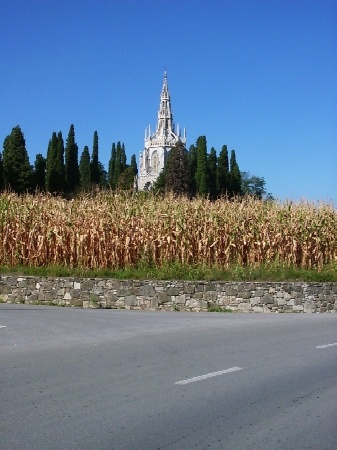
x: 165, y: 117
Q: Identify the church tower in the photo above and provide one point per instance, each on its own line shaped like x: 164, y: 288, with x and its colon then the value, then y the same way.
x: 158, y: 144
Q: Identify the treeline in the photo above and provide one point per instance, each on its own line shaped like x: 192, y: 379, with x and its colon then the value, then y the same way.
x: 195, y: 172
x: 62, y: 171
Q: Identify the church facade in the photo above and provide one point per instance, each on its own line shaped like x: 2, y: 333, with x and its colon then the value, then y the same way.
x: 158, y: 144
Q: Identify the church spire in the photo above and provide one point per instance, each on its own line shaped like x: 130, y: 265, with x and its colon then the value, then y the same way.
x: 165, y: 117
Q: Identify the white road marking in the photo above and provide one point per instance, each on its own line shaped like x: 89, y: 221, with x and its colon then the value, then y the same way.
x: 327, y: 345
x: 208, y: 375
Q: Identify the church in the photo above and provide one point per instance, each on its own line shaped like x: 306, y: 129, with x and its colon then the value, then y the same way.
x: 158, y: 144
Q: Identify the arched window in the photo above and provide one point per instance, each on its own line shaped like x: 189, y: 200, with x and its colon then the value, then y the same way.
x: 155, y: 162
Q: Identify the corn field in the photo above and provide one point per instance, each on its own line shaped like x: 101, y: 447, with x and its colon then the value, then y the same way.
x: 116, y: 230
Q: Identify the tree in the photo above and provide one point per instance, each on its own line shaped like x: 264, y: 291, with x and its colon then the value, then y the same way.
x: 103, y: 176
x: 211, y: 169
x: 192, y: 163
x: 71, y: 162
x: 16, y: 168
x: 222, y: 174
x: 133, y: 165
x: 84, y: 169
x: 55, y: 170
x: 234, y: 176
x: 118, y: 164
x: 201, y: 173
x: 177, y: 178
x: 94, y: 165
x: 39, y: 182
x: 254, y: 186
x: 111, y: 169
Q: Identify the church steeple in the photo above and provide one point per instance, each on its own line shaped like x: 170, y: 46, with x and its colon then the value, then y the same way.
x: 165, y: 117
x: 158, y: 144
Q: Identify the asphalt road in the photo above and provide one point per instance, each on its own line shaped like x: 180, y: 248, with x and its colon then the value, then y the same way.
x: 108, y: 379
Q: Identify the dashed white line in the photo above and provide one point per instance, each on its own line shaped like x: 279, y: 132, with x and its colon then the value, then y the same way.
x: 208, y: 375
x: 327, y: 345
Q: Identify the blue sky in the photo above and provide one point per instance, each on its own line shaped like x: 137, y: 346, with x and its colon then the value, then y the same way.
x: 257, y: 75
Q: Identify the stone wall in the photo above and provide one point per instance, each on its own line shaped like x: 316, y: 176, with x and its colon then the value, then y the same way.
x: 170, y: 295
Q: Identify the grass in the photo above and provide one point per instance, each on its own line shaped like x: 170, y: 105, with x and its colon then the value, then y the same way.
x: 175, y: 271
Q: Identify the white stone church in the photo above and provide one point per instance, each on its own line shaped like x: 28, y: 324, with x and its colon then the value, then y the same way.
x: 158, y: 144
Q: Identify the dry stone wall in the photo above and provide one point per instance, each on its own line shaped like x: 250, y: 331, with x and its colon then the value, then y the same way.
x: 170, y: 295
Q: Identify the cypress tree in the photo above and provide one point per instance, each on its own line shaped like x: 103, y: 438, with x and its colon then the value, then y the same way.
x: 212, y: 167
x: 133, y: 165
x: 201, y: 173
x: 222, y: 175
x: 234, y: 176
x: 40, y: 173
x: 177, y: 170
x: 111, y: 169
x: 16, y: 168
x: 123, y: 158
x: 55, y: 170
x: 118, y: 164
x: 51, y: 166
x: 71, y: 162
x: 193, y: 162
x: 84, y: 169
x: 94, y: 165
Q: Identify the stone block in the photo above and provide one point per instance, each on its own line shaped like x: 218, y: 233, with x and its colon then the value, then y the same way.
x: 211, y: 295
x: 192, y: 303
x: 87, y: 285
x: 199, y: 288
x: 76, y: 302
x: 223, y: 301
x: 172, y: 291
x: 189, y: 289
x: 163, y: 297
x: 257, y: 309
x: 244, y: 306
x: 267, y: 299
x: 230, y: 291
x: 179, y: 299
x: 154, y: 303
x: 255, y: 300
x: 298, y: 308
x: 280, y: 301
x: 147, y: 290
x: 131, y: 300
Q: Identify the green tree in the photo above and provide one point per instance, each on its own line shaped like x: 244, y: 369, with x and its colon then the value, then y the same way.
x: 234, y: 176
x: 193, y: 163
x: 254, y: 186
x: 16, y: 168
x: 40, y: 164
x: 55, y: 170
x: 133, y: 165
x: 118, y: 164
x: 212, y: 168
x: 201, y: 173
x: 111, y: 169
x: 222, y: 174
x: 84, y: 169
x: 94, y: 165
x: 177, y: 179
x: 71, y: 162
x: 103, y: 176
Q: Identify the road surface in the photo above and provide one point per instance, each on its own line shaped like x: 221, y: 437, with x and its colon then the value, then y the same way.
x: 115, y: 379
